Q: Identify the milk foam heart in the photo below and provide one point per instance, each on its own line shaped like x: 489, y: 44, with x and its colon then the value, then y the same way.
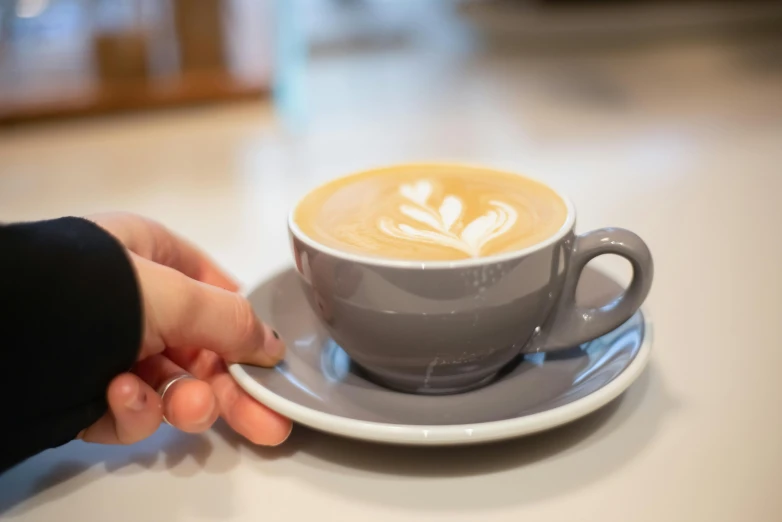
x: 443, y: 224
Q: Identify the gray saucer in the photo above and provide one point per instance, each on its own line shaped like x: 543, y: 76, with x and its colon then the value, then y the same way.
x: 318, y: 386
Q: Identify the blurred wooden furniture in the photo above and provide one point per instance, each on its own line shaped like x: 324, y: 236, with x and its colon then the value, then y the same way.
x: 199, y: 32
x: 121, y: 56
x: 158, y: 54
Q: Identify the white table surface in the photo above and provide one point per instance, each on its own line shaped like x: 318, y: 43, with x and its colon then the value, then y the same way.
x: 682, y: 145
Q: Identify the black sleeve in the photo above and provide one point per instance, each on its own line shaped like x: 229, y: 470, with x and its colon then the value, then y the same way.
x: 70, y: 321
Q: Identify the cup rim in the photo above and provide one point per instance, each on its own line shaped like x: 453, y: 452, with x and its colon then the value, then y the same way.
x: 566, y: 227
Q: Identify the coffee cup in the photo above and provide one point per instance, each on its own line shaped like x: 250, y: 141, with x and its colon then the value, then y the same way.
x: 435, y: 277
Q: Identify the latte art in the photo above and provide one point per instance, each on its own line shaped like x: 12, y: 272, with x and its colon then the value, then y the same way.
x: 443, y: 225
x: 430, y: 212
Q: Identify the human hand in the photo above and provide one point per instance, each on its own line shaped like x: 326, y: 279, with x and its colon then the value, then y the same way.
x: 194, y: 322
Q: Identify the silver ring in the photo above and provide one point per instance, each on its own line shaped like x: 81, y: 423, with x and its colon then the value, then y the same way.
x: 167, y: 384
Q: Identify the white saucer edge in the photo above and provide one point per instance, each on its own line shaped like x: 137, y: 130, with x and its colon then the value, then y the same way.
x: 457, y: 434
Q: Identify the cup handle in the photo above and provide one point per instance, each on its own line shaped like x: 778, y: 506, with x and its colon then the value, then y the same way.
x: 574, y: 325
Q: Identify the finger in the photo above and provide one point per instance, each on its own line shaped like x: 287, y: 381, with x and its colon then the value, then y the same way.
x: 188, y: 404
x: 245, y: 415
x: 151, y: 240
x: 134, y: 413
x: 183, y: 313
x: 248, y: 417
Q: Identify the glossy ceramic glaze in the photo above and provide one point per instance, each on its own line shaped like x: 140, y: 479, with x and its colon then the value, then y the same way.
x: 448, y: 327
x: 319, y: 386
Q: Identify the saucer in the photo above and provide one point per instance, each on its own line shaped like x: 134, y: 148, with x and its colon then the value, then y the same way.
x: 318, y: 386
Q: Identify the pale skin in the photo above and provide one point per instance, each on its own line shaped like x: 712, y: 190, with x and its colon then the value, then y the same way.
x: 194, y: 323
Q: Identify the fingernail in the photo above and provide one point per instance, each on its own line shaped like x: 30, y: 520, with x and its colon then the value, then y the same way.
x: 210, y: 413
x: 138, y: 399
x: 283, y: 440
x: 274, y: 348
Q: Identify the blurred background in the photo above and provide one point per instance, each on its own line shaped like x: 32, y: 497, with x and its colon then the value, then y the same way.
x: 214, y: 115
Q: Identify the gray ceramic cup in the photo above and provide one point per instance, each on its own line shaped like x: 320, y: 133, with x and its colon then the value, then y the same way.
x: 451, y: 326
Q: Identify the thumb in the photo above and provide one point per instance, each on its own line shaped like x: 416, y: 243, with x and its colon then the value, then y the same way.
x: 184, y: 313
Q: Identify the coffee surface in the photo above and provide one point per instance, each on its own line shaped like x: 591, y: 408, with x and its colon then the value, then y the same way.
x: 431, y: 212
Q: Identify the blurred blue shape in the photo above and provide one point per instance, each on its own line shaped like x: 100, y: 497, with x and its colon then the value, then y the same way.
x: 290, y: 57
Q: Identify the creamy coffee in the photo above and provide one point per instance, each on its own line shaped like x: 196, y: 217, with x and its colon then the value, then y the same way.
x: 431, y: 212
